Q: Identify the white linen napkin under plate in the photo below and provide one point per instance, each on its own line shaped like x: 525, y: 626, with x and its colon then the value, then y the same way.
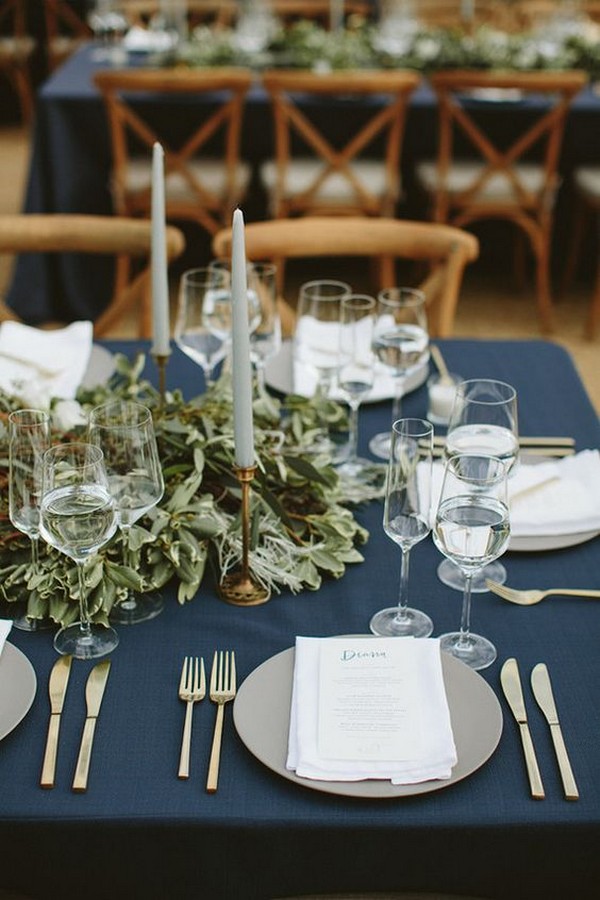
x: 5, y: 626
x: 42, y: 364
x: 437, y: 753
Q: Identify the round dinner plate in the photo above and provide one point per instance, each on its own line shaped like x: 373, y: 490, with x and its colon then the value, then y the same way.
x: 18, y: 685
x: 100, y: 367
x: 261, y: 713
x: 539, y: 542
x: 279, y: 376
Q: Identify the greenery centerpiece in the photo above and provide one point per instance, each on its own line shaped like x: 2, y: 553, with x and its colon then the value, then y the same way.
x: 302, y: 526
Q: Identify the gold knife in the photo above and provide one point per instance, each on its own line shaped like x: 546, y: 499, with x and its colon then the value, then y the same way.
x: 94, y: 692
x: 57, y: 688
x: 542, y: 691
x: 511, y: 685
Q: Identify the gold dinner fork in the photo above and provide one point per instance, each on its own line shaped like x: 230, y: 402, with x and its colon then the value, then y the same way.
x: 192, y: 688
x: 222, y: 690
x: 528, y: 598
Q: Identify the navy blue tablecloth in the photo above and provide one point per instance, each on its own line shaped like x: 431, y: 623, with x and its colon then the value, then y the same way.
x: 141, y: 832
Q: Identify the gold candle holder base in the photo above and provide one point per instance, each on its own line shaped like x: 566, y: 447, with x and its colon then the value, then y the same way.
x: 238, y: 588
x: 161, y: 360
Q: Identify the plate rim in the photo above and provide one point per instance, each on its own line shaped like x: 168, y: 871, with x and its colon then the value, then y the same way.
x: 18, y: 658
x: 539, y: 543
x: 376, y: 789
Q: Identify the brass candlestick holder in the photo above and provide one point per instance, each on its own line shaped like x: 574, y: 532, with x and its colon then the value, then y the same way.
x: 161, y: 360
x: 238, y: 588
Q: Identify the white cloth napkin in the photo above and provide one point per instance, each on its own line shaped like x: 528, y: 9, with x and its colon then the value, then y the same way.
x: 438, y: 754
x: 5, y: 626
x: 146, y: 40
x: 37, y: 365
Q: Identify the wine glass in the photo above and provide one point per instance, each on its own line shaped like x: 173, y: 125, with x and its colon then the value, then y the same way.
x: 355, y: 372
x: 203, y: 323
x: 109, y: 23
x: 407, y: 518
x: 29, y: 438
x: 484, y: 421
x: 78, y: 516
x: 401, y: 344
x: 124, y: 432
x: 472, y: 528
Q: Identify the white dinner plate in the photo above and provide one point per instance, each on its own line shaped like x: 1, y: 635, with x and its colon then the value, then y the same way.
x: 279, y: 376
x: 261, y: 713
x: 538, y: 542
x: 100, y: 367
x: 18, y: 685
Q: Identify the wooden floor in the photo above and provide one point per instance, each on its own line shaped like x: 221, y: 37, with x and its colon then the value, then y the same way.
x: 491, y: 305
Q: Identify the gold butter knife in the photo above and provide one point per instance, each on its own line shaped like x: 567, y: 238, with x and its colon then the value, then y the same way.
x: 57, y: 688
x: 94, y: 692
x: 511, y: 685
x: 542, y: 691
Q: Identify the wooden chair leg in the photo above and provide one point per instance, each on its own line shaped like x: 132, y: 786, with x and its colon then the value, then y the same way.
x: 581, y: 214
x: 594, y: 311
x: 543, y: 290
x: 22, y: 84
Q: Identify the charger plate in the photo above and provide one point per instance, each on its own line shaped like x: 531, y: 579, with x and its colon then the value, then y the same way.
x: 261, y: 714
x: 18, y: 685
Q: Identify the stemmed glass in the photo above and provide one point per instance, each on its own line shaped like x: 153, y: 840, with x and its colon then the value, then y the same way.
x: 109, y: 23
x: 203, y: 324
x: 78, y: 516
x: 355, y: 372
x: 124, y: 432
x: 472, y: 528
x: 401, y: 344
x: 406, y: 518
x: 483, y: 421
x: 29, y: 438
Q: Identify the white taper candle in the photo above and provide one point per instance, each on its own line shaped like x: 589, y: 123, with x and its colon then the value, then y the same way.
x: 242, y: 374
x: 160, y: 280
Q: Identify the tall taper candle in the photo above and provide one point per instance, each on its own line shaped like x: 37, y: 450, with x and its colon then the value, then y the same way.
x: 160, y: 280
x: 242, y: 374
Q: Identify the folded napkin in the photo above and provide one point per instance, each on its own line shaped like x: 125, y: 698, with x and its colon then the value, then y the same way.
x: 378, y: 692
x: 146, y: 40
x: 38, y: 365
x: 5, y: 626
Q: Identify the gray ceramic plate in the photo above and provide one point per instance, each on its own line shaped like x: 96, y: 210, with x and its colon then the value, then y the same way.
x: 18, y: 685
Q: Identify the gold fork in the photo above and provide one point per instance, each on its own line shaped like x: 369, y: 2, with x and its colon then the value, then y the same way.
x: 528, y: 598
x: 222, y: 690
x: 192, y: 688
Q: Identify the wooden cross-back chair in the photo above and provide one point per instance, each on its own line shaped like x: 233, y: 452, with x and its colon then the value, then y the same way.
x: 500, y: 181
x: 202, y: 189
x: 16, y: 49
x: 66, y: 31
x: 316, y: 10
x: 467, y: 14
x: 336, y: 179
x: 586, y: 184
x: 99, y: 235
x: 445, y: 250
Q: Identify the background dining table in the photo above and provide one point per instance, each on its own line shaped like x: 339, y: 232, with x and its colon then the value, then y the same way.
x: 139, y: 831
x: 70, y: 168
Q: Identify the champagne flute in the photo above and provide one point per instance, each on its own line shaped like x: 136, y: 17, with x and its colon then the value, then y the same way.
x: 472, y: 529
x: 29, y: 438
x: 355, y: 373
x: 483, y: 421
x: 203, y: 323
x: 401, y: 344
x: 124, y: 432
x: 406, y: 518
x: 78, y: 516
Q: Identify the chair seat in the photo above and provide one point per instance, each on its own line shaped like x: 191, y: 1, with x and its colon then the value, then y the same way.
x: 210, y: 173
x: 16, y: 48
x: 496, y: 189
x: 301, y: 174
x: 587, y: 179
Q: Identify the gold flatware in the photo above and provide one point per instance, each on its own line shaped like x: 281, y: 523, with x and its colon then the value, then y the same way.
x: 529, y: 597
x: 192, y: 689
x: 542, y: 691
x: 57, y: 689
x: 222, y: 690
x: 94, y: 692
x: 511, y: 685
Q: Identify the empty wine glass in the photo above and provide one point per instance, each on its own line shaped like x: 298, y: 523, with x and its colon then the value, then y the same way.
x: 29, y: 438
x: 401, y: 344
x: 355, y: 372
x: 407, y: 518
x: 483, y: 421
x: 78, y: 516
x: 203, y: 323
x: 124, y: 432
x: 472, y: 528
x: 109, y: 23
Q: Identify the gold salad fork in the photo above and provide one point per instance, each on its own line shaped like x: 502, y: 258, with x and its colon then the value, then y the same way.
x: 528, y: 598
x: 192, y: 688
x: 222, y: 690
